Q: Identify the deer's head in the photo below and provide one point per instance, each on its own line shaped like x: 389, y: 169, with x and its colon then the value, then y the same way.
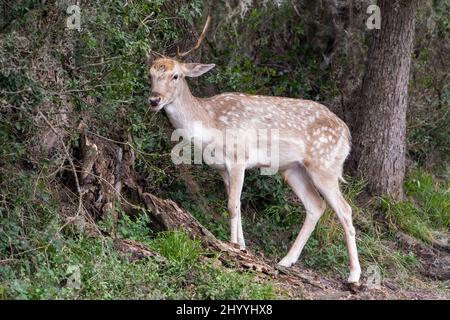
x: 168, y: 80
x: 168, y: 75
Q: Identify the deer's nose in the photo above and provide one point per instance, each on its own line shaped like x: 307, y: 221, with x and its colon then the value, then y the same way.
x: 155, y: 99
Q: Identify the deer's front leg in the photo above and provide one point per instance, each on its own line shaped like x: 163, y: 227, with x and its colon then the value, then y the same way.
x: 235, y: 177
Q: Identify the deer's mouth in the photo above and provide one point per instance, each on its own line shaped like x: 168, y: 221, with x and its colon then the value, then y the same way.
x: 157, y: 107
x: 156, y: 102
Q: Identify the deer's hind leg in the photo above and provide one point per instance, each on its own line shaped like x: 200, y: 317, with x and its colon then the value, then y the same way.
x: 301, y: 184
x: 327, y: 182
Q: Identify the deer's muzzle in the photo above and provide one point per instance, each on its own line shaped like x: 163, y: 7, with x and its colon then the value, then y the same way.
x: 155, y: 99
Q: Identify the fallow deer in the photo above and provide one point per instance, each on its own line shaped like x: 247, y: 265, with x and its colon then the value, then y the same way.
x: 313, y: 144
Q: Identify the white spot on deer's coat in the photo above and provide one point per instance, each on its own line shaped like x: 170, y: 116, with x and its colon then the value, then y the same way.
x: 224, y: 119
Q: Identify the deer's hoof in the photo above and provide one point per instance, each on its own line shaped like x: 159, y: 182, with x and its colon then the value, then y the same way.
x: 235, y: 245
x: 354, y: 276
x: 286, y: 262
x: 355, y: 287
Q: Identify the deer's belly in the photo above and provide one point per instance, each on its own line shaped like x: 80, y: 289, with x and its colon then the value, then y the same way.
x: 276, y: 155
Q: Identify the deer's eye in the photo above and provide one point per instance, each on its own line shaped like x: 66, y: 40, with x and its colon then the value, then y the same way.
x: 175, y: 77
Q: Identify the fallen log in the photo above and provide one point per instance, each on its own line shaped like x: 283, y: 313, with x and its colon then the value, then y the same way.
x: 172, y: 217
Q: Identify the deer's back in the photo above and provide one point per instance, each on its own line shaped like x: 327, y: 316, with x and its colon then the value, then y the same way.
x: 321, y: 135
x: 237, y: 110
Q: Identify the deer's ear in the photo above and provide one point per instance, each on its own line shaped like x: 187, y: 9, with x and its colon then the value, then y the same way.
x: 150, y: 58
x: 195, y: 69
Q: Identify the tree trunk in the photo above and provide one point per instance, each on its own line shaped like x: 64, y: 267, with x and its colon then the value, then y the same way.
x: 378, y: 120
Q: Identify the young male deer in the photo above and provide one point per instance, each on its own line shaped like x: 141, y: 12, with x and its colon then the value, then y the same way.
x: 313, y: 144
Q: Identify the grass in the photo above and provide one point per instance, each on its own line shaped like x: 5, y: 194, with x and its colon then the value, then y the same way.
x: 426, y: 209
x: 177, y: 247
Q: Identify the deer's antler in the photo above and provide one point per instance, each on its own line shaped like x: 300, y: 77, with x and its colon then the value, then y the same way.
x: 199, y: 40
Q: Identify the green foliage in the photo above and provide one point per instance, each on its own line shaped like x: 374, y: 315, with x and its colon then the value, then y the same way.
x: 177, y: 246
x: 428, y: 114
x: 245, y: 55
x: 26, y: 214
x: 137, y: 229
x: 105, y: 79
x: 15, y: 127
x: 16, y: 11
x: 105, y: 275
x: 433, y: 195
x: 426, y: 209
x: 230, y: 285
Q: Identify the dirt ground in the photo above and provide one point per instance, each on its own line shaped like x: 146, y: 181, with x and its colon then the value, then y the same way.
x: 334, y: 288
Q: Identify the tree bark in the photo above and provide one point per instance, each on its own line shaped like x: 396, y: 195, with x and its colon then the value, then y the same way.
x: 378, y: 117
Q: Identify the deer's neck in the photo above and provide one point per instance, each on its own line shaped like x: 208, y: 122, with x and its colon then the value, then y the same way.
x: 186, y: 111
